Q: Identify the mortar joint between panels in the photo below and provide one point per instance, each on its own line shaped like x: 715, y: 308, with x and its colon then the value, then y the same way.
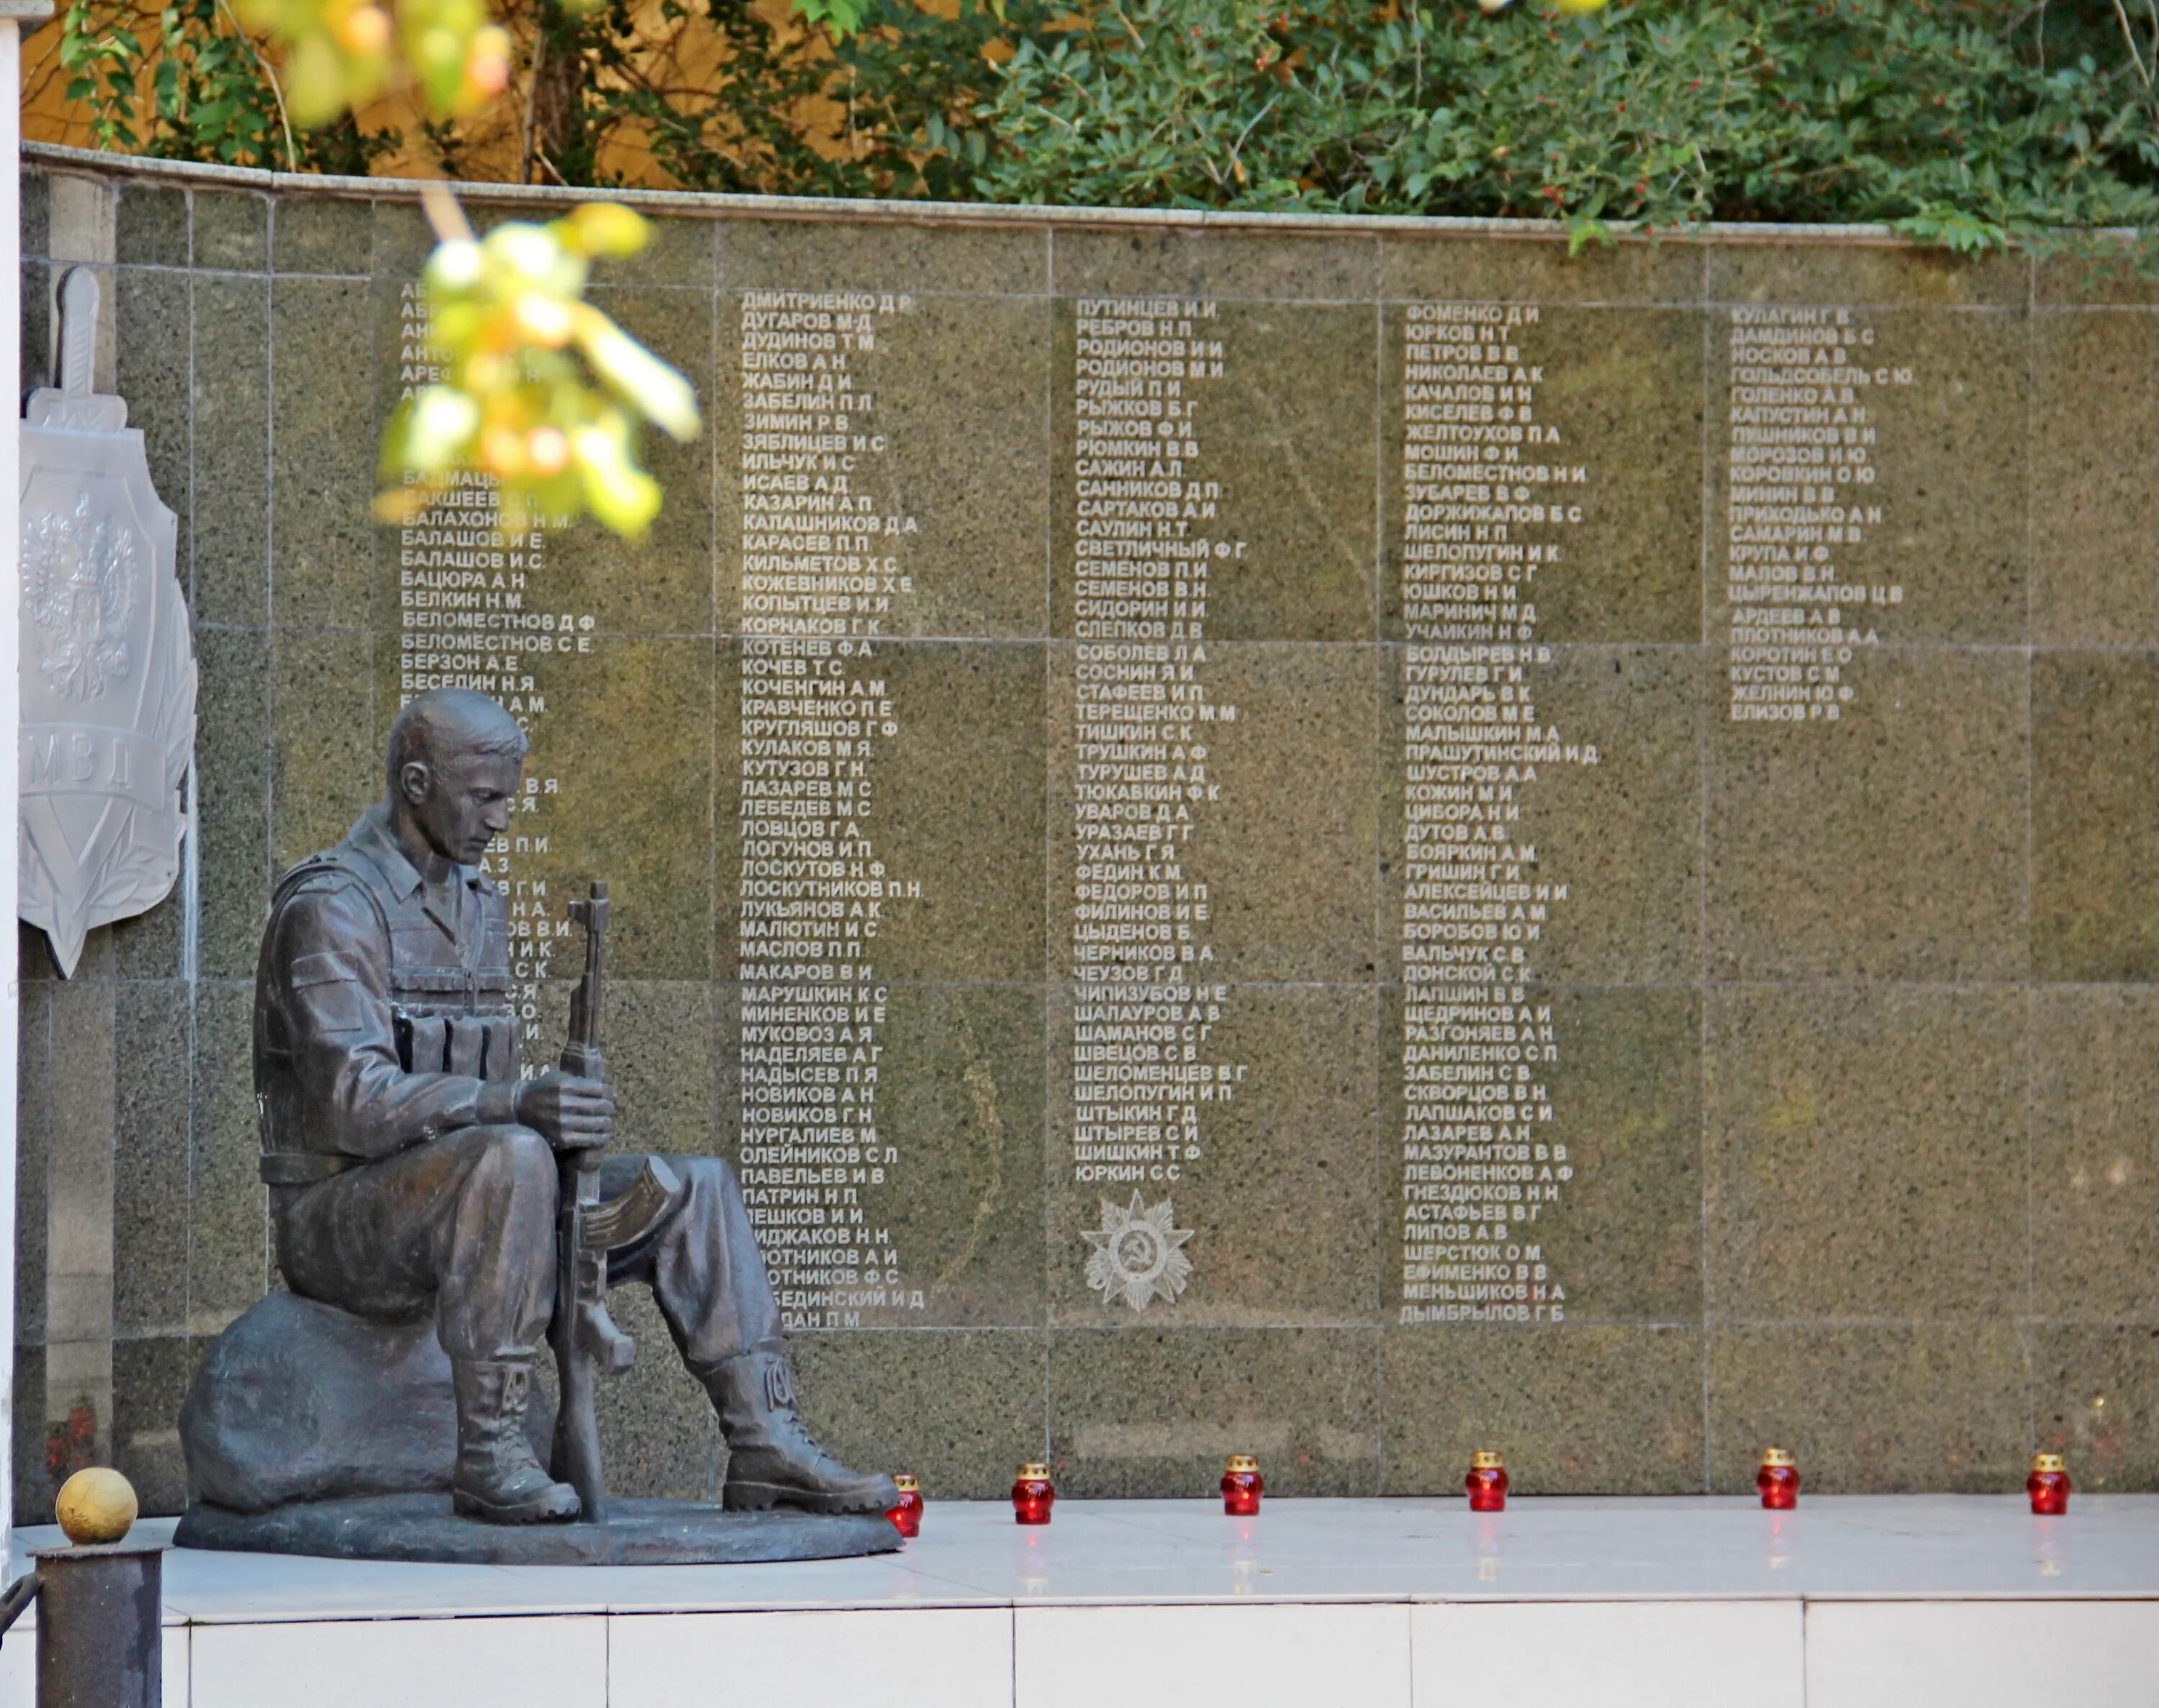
x: 1854, y: 982
x: 2002, y: 1319
x: 1138, y: 1324
x: 176, y: 269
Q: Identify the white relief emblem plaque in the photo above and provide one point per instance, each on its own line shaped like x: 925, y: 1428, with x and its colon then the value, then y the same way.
x: 108, y: 668
x: 1137, y: 1256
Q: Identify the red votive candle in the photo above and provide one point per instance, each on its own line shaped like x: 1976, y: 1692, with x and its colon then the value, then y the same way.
x: 1241, y: 1485
x: 1487, y: 1482
x: 907, y: 1516
x: 1033, y: 1496
x: 2048, y: 1485
x: 1778, y: 1480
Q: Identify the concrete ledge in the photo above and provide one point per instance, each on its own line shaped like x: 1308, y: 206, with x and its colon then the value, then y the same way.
x: 1692, y: 1603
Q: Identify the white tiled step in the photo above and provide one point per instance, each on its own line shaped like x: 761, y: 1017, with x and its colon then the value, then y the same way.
x: 1527, y: 1654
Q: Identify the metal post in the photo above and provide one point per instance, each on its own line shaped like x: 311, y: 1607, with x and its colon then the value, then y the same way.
x: 98, y: 1640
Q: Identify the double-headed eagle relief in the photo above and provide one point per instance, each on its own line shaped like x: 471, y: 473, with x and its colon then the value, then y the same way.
x: 108, y: 668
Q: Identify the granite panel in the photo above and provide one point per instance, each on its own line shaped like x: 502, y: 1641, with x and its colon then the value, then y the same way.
x: 1871, y: 1409
x: 1590, y: 1410
x: 1280, y: 797
x: 1619, y: 825
x: 949, y: 381
x: 33, y: 1486
x: 311, y: 236
x: 1864, y: 1153
x: 153, y: 944
x: 658, y: 1435
x: 1135, y: 1415
x: 150, y: 225
x: 958, y: 1407
x: 331, y: 723
x: 2095, y: 824
x: 1290, y: 1221
x: 1530, y: 269
x: 2094, y: 1232
x: 34, y: 212
x: 234, y: 777
x: 1620, y: 391
x: 2116, y: 278
x: 232, y: 450
x: 2095, y: 517
x: 825, y: 254
x: 950, y: 1211
x: 150, y: 1379
x: 1904, y: 275
x: 659, y: 1043
x: 1301, y: 266
x: 154, y: 370
x: 36, y: 349
x: 1795, y: 893
x: 951, y: 800
x: 152, y: 1213
x: 2095, y: 1398
x: 231, y: 230
x: 1941, y: 497
x: 34, y: 1127
x: 228, y: 1252
x: 323, y: 458
x: 1287, y: 429
x: 961, y: 1101
x: 1620, y: 1239
x: 401, y: 240
x: 663, y: 583
x: 679, y: 253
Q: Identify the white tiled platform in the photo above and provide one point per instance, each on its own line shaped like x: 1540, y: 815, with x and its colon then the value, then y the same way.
x: 1969, y: 1602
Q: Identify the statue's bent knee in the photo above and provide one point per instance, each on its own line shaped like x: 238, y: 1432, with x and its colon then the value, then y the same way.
x: 515, y: 1156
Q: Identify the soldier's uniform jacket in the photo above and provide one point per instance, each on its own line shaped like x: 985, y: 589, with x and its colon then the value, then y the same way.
x: 382, y: 1019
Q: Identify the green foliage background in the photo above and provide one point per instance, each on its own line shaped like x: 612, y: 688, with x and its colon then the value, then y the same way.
x: 1964, y: 122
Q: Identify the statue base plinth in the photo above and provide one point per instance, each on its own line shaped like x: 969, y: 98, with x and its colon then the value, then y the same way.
x: 422, y: 1527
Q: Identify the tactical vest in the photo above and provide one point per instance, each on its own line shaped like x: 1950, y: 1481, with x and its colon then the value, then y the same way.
x: 451, y: 1013
x: 454, y: 1015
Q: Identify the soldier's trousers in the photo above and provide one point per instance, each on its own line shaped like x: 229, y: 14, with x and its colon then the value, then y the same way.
x: 463, y: 1227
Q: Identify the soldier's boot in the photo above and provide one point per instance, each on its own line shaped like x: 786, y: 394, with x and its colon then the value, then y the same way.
x: 499, y: 1477
x: 773, y: 1460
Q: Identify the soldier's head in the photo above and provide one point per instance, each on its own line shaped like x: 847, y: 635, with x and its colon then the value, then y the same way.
x: 456, y: 758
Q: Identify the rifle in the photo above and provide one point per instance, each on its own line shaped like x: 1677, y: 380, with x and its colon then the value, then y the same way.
x: 582, y: 1336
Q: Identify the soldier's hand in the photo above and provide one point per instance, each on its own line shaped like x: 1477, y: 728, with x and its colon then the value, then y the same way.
x: 570, y: 1113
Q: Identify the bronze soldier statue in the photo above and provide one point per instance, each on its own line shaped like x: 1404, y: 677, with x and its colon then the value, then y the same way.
x: 412, y: 1171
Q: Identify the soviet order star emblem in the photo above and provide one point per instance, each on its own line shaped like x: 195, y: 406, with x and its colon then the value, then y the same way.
x: 1138, y: 1257
x: 108, y: 669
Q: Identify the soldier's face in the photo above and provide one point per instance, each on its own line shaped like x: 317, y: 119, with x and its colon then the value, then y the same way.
x: 466, y: 804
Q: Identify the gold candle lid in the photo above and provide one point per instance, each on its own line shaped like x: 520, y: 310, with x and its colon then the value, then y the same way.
x: 1238, y: 1463
x: 1034, y: 1472
x: 1775, y: 1457
x: 906, y: 1483
x: 1486, y: 1460
x: 2050, y: 1462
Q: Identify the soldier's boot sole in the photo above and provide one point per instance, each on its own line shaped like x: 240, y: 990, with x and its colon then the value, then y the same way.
x: 764, y: 1497
x: 558, y: 1505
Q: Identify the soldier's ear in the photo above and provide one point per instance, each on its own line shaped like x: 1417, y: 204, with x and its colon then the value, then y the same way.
x: 416, y: 779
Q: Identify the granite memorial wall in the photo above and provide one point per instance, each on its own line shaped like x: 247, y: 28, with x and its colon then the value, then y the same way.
x: 1344, y: 840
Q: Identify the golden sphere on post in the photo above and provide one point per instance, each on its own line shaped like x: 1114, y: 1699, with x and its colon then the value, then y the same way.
x: 96, y: 1505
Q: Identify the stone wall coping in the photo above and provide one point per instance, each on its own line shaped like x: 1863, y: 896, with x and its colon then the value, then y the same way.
x: 712, y: 206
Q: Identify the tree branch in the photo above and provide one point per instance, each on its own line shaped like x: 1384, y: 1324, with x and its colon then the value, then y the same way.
x: 276, y: 93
